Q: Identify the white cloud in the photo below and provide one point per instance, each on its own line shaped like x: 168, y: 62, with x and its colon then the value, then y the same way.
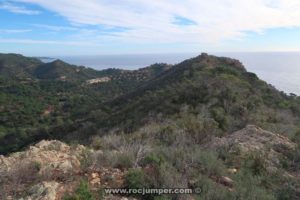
x: 18, y: 9
x: 11, y: 31
x: 148, y: 21
x: 47, y: 42
x: 55, y: 28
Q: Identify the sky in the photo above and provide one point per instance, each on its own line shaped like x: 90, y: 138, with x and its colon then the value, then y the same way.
x: 93, y: 27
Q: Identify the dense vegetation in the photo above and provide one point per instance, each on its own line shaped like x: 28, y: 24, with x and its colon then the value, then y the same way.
x: 169, y: 155
x: 219, y: 90
x: 36, y: 97
x: 15, y: 65
x: 156, y: 119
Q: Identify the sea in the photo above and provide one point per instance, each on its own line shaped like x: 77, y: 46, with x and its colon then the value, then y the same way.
x: 280, y: 69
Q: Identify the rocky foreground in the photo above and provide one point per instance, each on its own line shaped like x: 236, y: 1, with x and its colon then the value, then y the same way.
x: 51, y: 169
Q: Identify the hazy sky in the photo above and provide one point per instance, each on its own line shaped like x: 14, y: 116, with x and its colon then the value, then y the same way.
x: 81, y: 27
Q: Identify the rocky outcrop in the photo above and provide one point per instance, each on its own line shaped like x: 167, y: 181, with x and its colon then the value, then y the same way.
x: 98, y: 80
x: 254, y: 139
x: 51, y: 169
x: 48, y: 156
x: 44, y: 190
x: 47, y: 163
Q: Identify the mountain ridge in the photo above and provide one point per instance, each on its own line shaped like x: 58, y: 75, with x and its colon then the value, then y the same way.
x: 219, y: 88
x: 196, y: 81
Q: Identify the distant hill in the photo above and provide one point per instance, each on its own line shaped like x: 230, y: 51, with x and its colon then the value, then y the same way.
x: 59, y: 70
x: 36, y: 96
x: 15, y: 65
x: 18, y: 66
x: 143, y: 74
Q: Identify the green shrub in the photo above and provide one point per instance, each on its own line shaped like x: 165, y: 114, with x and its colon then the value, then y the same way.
x: 219, y: 115
x: 86, y: 159
x: 256, y: 163
x: 123, y: 161
x: 286, y: 192
x: 114, y: 159
x: 136, y: 178
x: 97, y: 143
x: 199, y: 128
x: 249, y: 187
x: 162, y: 176
x: 210, y: 163
x: 168, y: 177
x: 153, y: 159
x: 211, y: 190
x: 82, y: 193
x: 166, y: 135
x: 296, y: 137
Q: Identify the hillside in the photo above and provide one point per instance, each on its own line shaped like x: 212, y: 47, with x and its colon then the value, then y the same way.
x: 17, y: 66
x: 266, y: 167
x: 219, y: 90
x: 56, y: 94
x: 206, y: 123
x: 59, y: 70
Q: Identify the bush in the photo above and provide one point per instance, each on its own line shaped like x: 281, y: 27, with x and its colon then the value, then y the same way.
x: 82, y: 193
x: 168, y: 177
x: 153, y: 159
x: 296, y: 137
x: 219, y: 115
x: 87, y: 159
x: 155, y: 176
x: 123, y: 161
x: 249, y: 187
x: 136, y: 179
x: 25, y: 172
x: 198, y: 128
x: 210, y: 163
x: 18, y: 177
x: 286, y: 192
x: 97, y: 142
x: 210, y: 190
x: 186, y: 128
x: 256, y: 163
